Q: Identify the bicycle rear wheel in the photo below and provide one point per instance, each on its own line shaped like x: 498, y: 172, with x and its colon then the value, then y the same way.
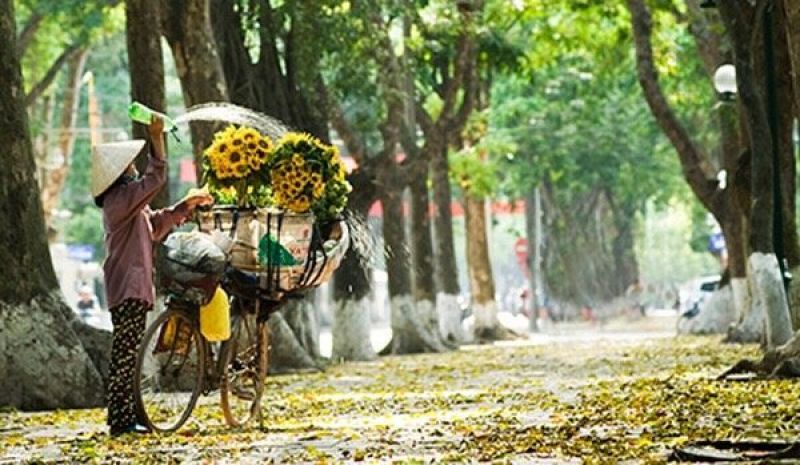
x: 244, y: 359
x: 169, y: 371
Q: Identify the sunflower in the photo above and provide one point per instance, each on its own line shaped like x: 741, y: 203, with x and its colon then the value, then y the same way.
x: 237, y: 157
x: 300, y: 204
x: 298, y: 161
x: 307, y: 174
x: 317, y: 190
x: 249, y: 134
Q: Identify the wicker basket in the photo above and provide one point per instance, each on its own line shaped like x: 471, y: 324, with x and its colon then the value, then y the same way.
x: 323, y: 261
x: 307, y: 259
x: 248, y: 228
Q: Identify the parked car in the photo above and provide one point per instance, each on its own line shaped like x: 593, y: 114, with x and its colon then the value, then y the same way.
x: 699, y: 291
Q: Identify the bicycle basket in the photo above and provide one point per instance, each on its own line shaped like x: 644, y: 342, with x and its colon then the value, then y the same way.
x: 257, y: 232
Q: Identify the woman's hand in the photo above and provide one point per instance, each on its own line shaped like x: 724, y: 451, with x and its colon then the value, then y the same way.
x: 156, y: 127
x: 198, y: 199
x: 156, y: 131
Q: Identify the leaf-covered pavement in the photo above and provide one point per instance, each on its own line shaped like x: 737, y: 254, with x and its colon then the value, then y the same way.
x: 597, y: 401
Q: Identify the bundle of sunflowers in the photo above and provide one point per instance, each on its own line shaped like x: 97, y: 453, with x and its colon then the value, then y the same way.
x: 276, y: 199
x: 299, y: 174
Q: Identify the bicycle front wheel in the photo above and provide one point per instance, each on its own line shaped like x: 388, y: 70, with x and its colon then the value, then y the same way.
x: 244, y: 360
x: 169, y: 371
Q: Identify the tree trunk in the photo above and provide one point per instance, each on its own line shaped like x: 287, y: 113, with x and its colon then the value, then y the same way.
x: 187, y: 27
x: 43, y: 362
x: 785, y: 114
x: 296, y: 341
x: 240, y: 78
x: 288, y: 346
x: 66, y: 134
x: 421, y: 242
x: 754, y: 200
x: 146, y: 68
x: 533, y: 233
x: 758, y: 98
x: 625, y: 264
x: 424, y: 286
x: 43, y: 114
x: 792, y: 14
x: 415, y: 329
x: 580, y: 264
x: 351, y: 307
x: 445, y: 256
x: 447, y: 298
x: 352, y: 282
x: 484, y: 308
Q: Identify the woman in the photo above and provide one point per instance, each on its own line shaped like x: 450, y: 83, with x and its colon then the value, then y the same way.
x: 131, y: 230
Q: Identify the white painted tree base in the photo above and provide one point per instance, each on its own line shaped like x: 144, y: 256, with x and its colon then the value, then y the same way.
x: 487, y: 326
x: 450, y: 318
x: 716, y: 315
x: 741, y: 296
x: 415, y: 326
x: 43, y: 363
x: 351, y: 331
x: 770, y: 296
x: 485, y: 315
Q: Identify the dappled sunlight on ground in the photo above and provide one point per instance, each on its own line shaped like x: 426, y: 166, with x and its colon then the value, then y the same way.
x: 605, y: 399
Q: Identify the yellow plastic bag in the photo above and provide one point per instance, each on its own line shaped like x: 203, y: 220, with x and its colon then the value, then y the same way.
x: 215, y: 318
x: 175, y: 336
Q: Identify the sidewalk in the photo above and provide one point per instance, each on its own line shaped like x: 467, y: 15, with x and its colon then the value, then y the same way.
x: 574, y: 396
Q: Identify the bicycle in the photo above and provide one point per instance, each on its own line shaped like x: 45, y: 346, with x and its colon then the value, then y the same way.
x: 176, y: 364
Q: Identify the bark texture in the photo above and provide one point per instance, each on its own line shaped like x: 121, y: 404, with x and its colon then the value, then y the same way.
x: 444, y: 248
x: 37, y: 342
x: 752, y: 29
x: 187, y: 27
x: 146, y: 68
x: 415, y: 324
x: 458, y: 90
x: 481, y: 281
x: 792, y: 15
x: 421, y: 241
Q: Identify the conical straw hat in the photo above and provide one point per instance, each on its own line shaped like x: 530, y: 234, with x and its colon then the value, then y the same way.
x: 110, y: 160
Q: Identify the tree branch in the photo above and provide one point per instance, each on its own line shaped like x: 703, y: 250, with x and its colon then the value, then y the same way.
x: 709, y: 42
x: 28, y: 32
x: 470, y: 99
x: 41, y: 86
x: 351, y: 140
x: 694, y: 163
x: 424, y: 120
x: 452, y: 85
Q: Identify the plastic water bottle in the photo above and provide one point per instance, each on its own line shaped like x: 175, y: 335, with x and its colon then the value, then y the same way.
x: 141, y: 113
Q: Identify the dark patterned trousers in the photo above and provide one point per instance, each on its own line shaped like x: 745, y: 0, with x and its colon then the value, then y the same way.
x: 129, y: 320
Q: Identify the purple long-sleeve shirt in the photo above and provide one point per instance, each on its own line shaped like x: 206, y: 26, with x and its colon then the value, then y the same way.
x: 131, y: 231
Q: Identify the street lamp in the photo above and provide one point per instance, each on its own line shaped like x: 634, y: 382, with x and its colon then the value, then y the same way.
x: 725, y: 82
